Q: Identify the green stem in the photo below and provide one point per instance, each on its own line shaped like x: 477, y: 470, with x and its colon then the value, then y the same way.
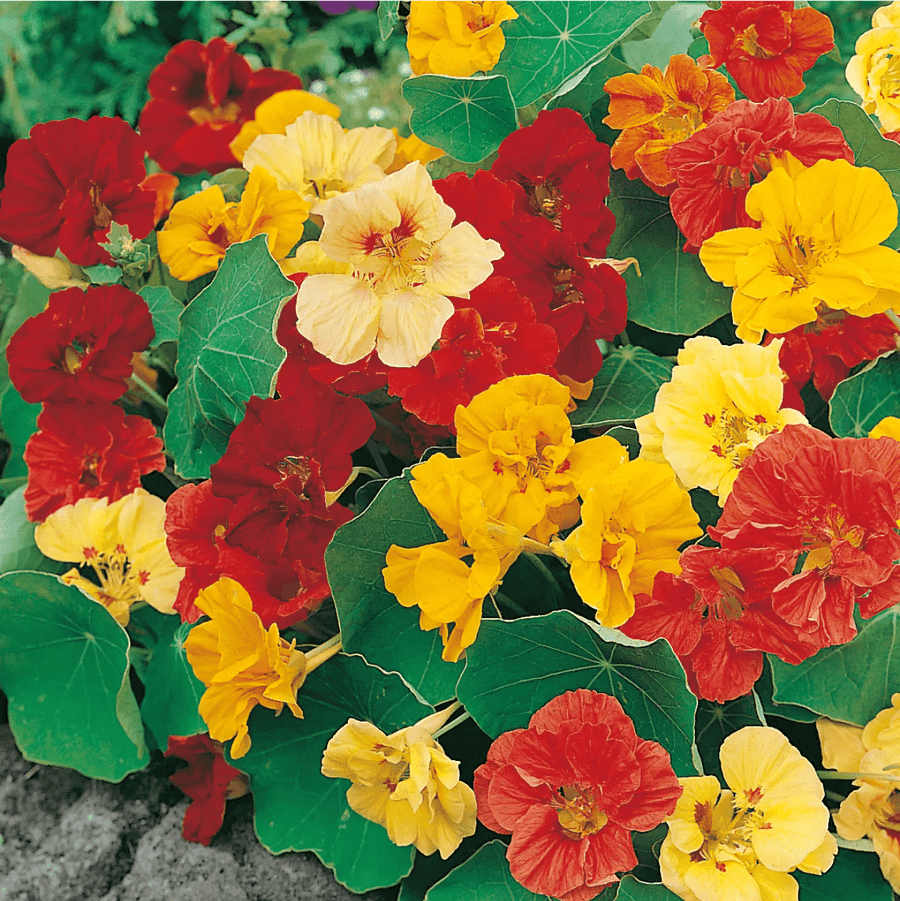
x: 376, y: 456
x: 325, y: 651
x: 12, y: 92
x: 852, y: 777
x: 511, y: 604
x: 452, y: 725
x: 156, y: 399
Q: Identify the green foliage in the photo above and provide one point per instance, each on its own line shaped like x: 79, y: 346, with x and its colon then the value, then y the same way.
x: 852, y: 875
x: 466, y: 117
x: 299, y: 809
x: 373, y: 623
x: 19, y: 421
x: 588, y: 91
x: 862, y: 401
x: 165, y: 310
x: 64, y: 668
x: 624, y: 389
x: 227, y: 353
x: 17, y: 548
x: 715, y: 722
x: 632, y: 890
x: 670, y: 35
x: 514, y: 668
x: 673, y: 294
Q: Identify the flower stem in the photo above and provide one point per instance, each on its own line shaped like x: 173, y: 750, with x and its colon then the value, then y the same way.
x: 460, y: 719
x: 535, y: 547
x: 156, y: 399
x: 325, y: 651
x: 878, y: 777
x: 375, y: 451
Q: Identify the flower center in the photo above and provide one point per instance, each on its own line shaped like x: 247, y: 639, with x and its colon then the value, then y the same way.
x: 730, y: 604
x: 119, y: 581
x: 748, y: 41
x: 798, y: 257
x: 398, y: 258
x: 824, y: 534
x: 545, y: 200
x: 578, y: 813
x: 734, y: 435
x: 102, y: 214
x: 216, y: 116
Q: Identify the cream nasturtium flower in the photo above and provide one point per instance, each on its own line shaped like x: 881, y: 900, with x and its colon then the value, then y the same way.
x: 818, y: 245
x: 721, y: 402
x: 319, y: 160
x: 405, y: 782
x: 872, y: 72
x: 744, y: 843
x: 124, y: 543
x: 407, y: 260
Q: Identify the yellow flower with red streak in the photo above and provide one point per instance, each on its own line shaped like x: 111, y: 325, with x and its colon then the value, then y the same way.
x: 872, y: 71
x: 405, y: 782
x: 242, y: 665
x: 721, y: 402
x: 819, y: 243
x: 659, y: 109
x: 873, y: 809
x: 202, y: 227
x: 458, y: 38
x: 124, y: 543
x: 745, y: 842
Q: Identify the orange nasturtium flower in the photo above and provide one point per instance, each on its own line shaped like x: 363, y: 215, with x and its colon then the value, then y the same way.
x: 242, y: 665
x: 458, y: 38
x: 745, y: 842
x: 659, y: 109
x: 818, y: 245
x: 202, y: 227
x: 405, y: 782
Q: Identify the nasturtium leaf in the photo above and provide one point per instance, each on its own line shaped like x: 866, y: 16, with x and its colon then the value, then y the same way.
x: 485, y: 876
x: 715, y: 722
x: 102, y: 274
x: 17, y: 548
x: 388, y: 18
x: 514, y: 668
x: 430, y: 869
x: 299, y: 809
x: 31, y: 299
x: 764, y: 690
x: 624, y: 389
x: 227, y: 353
x: 530, y: 585
x: 466, y: 117
x: 843, y: 682
x: 671, y: 34
x: 673, y: 294
x: 19, y: 421
x: 869, y: 147
x: 165, y: 310
x: 64, y: 669
x: 372, y: 621
x: 862, y: 401
x: 628, y: 438
x: 630, y: 889
x: 549, y: 43
x: 172, y: 691
x: 582, y: 92
x: 852, y: 875
x: 706, y: 506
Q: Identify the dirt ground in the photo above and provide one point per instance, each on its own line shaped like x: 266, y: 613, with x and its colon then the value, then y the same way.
x: 64, y: 837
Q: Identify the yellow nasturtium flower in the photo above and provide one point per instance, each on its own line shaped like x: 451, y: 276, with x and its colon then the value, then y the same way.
x: 872, y: 72
x: 124, y: 543
x: 458, y: 37
x: 889, y: 427
x: 745, y: 842
x: 818, y: 244
x: 405, y: 782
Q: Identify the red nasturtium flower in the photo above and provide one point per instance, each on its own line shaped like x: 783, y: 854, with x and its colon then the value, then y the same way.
x: 766, y: 47
x: 718, y: 617
x: 80, y: 347
x: 200, y: 96
x: 716, y: 166
x: 87, y: 450
x: 571, y: 788
x: 834, y: 503
x: 658, y: 110
x: 68, y: 181
x: 208, y: 780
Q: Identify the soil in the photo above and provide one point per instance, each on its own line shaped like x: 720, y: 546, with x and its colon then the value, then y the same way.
x: 64, y: 837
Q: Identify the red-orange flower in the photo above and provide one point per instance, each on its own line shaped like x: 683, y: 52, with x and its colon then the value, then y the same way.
x: 766, y: 47
x: 659, y: 109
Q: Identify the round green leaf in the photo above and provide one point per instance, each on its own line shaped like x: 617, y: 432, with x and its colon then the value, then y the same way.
x: 299, y: 809
x: 632, y: 890
x: 19, y: 421
x: 852, y: 875
x: 64, y: 667
x: 550, y: 43
x: 764, y: 689
x: 673, y: 294
x: 17, y: 548
x: 862, y: 401
x: 842, y: 682
x: 388, y: 18
x: 715, y: 722
x: 466, y: 117
x: 227, y: 353
x: 372, y: 621
x: 165, y: 310
x: 514, y: 668
x: 580, y: 94
x: 624, y: 389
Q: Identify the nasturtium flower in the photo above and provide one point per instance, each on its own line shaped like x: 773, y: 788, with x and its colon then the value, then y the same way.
x: 744, y: 842
x: 54, y: 272
x: 658, y: 110
x: 456, y: 38
x: 720, y: 404
x: 410, y: 150
x: 123, y: 542
x: 405, y: 782
x: 873, y: 809
x: 276, y: 113
x: 572, y: 788
x: 203, y: 226
x: 408, y: 259
x: 889, y: 427
x: 818, y: 243
x: 766, y: 47
x: 318, y: 160
x: 242, y: 664
x: 871, y: 71
x: 634, y: 517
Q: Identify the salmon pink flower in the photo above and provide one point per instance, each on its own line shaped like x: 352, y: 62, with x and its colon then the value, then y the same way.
x: 571, y: 788
x: 200, y: 96
x: 68, y: 182
x: 766, y: 47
